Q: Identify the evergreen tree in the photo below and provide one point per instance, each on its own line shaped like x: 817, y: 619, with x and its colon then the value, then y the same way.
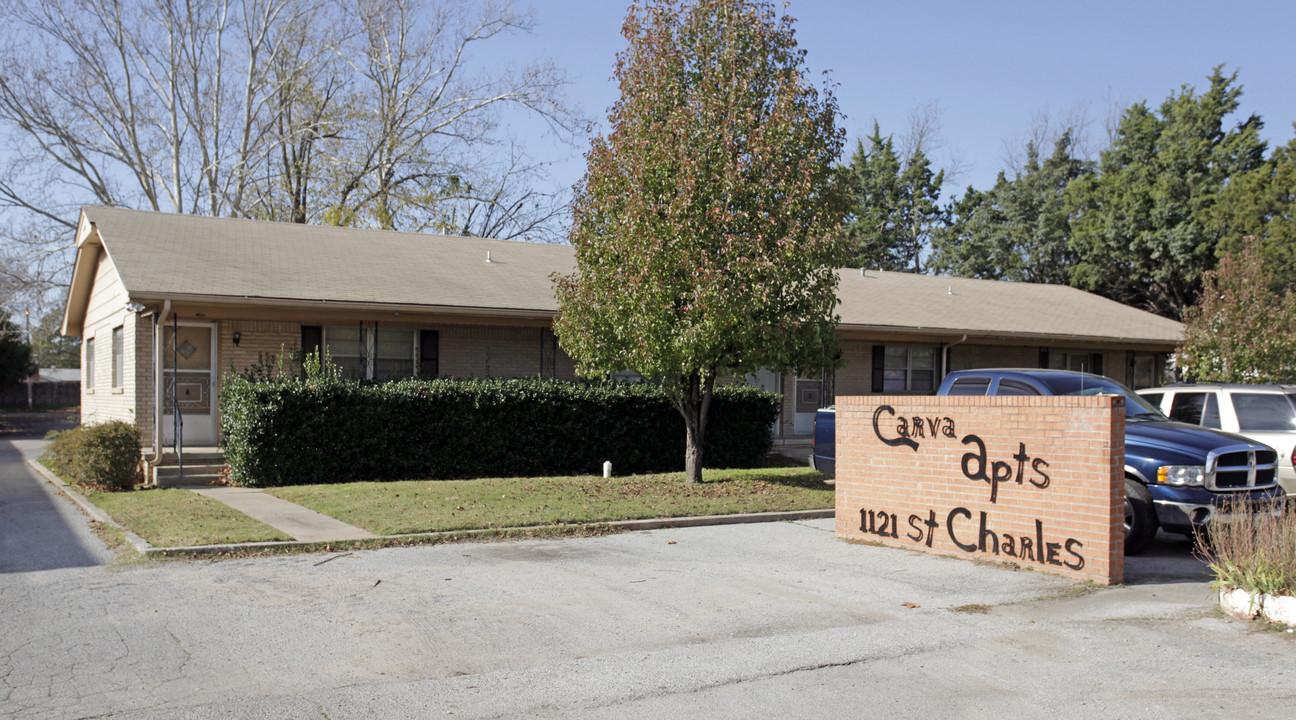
x: 1019, y: 229
x: 1145, y: 228
x: 1261, y: 205
x: 894, y: 205
x: 15, y: 354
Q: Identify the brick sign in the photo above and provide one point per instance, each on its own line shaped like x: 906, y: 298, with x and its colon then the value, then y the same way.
x: 1036, y: 482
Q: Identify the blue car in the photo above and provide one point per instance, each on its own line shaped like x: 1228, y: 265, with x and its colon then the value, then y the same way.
x: 1176, y: 475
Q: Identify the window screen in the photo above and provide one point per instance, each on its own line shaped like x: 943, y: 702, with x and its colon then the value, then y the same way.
x: 118, y: 357
x: 89, y: 363
x: 394, y: 354
x: 909, y: 369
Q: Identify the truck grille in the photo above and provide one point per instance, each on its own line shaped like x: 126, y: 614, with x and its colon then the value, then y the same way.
x: 1241, y: 468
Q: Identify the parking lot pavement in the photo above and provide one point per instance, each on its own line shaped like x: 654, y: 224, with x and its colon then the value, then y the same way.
x: 776, y: 619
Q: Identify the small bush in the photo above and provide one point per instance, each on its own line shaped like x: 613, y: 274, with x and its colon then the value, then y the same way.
x: 320, y: 428
x: 1255, y: 550
x: 100, y: 457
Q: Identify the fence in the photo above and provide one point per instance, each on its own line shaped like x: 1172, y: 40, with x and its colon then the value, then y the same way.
x: 44, y: 394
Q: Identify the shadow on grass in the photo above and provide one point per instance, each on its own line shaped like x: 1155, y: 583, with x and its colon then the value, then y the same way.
x: 802, y: 477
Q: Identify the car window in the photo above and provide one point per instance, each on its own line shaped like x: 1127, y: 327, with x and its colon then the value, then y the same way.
x: 1154, y: 398
x: 1210, y: 414
x: 1264, y: 411
x: 969, y: 386
x: 1008, y: 386
x: 1187, y: 407
x: 1135, y: 405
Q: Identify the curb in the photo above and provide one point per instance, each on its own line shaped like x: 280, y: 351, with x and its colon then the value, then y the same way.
x: 140, y: 544
x: 144, y: 547
x: 1246, y: 605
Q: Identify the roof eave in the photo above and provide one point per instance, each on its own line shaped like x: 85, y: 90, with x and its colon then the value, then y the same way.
x: 308, y: 304
x: 88, y: 249
x: 956, y: 333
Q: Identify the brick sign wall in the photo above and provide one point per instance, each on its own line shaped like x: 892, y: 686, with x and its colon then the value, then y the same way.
x: 1032, y: 481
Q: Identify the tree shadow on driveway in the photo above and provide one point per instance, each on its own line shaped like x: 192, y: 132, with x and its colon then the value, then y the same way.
x: 39, y: 530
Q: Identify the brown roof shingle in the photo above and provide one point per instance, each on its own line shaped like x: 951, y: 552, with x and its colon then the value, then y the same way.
x: 160, y: 255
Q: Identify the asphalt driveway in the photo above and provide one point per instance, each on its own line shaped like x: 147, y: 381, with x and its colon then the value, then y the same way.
x: 766, y: 620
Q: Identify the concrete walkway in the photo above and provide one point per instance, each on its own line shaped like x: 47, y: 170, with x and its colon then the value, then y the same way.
x: 302, y: 524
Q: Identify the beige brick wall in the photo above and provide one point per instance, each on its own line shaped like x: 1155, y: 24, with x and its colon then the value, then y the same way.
x: 1046, y: 493
x: 971, y: 357
x: 259, y: 340
x: 469, y: 351
x: 143, y: 378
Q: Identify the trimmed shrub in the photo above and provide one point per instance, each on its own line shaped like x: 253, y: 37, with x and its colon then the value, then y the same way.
x: 322, y: 429
x: 99, y: 457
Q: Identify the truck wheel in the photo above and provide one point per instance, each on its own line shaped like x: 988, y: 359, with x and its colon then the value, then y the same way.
x: 1140, y: 517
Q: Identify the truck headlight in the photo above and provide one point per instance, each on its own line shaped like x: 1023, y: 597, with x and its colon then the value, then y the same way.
x: 1181, y: 475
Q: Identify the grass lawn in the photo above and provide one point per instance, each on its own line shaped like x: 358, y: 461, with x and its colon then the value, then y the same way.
x: 414, y: 506
x: 174, y: 518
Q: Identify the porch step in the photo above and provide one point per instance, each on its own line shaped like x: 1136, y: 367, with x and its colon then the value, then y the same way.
x: 202, y: 466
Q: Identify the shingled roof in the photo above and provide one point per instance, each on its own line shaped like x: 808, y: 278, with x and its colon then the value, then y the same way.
x: 170, y: 256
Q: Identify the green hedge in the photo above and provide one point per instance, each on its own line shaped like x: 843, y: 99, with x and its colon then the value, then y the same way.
x: 101, y: 457
x: 322, y: 429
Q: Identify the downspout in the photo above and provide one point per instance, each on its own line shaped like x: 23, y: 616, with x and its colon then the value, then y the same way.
x: 159, y: 321
x: 945, y: 348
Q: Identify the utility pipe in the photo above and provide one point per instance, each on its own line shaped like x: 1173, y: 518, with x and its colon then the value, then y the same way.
x: 945, y: 355
x: 159, y: 326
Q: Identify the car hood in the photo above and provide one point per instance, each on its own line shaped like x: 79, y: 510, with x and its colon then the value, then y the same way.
x: 1181, y: 437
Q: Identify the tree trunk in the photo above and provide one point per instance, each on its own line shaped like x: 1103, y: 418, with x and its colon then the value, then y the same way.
x: 694, y: 406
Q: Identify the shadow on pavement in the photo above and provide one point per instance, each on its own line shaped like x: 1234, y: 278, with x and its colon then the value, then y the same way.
x: 38, y: 531
x: 1170, y: 559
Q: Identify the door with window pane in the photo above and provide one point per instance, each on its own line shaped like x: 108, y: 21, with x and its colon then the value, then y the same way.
x: 189, y: 383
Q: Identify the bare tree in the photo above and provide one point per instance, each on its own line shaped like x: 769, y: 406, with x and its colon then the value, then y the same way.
x: 429, y: 118
x: 924, y: 134
x: 1045, y: 130
x: 374, y: 112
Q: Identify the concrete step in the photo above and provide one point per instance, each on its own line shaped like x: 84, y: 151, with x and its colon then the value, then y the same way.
x: 171, y: 477
x: 194, y: 457
x: 203, y: 468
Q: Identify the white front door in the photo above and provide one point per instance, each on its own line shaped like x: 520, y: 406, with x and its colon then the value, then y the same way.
x: 807, y: 401
x: 189, y: 382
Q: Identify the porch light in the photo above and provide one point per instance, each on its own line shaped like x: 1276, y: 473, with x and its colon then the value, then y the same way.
x: 237, y: 336
x: 135, y: 306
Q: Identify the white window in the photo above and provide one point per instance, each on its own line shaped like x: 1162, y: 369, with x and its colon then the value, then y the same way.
x: 394, y: 354
x: 372, y: 354
x: 89, y: 363
x: 909, y: 369
x: 1079, y: 362
x: 118, y: 357
x: 346, y: 350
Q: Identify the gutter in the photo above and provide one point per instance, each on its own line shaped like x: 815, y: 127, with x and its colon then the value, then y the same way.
x: 982, y: 334
x: 158, y: 323
x: 945, y: 347
x: 296, y: 303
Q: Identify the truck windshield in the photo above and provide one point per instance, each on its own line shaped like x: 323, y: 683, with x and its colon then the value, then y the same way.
x: 1135, y: 405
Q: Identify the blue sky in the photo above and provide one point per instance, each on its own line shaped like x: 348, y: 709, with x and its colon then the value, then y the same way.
x: 990, y: 66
